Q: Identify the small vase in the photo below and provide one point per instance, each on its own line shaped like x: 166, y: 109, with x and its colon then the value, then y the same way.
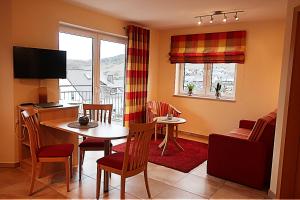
x: 218, y: 95
x: 83, y: 120
x: 190, y: 92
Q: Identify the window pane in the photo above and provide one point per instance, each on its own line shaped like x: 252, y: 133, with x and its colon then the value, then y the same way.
x: 193, y: 73
x: 112, y: 77
x: 223, y: 73
x: 77, y: 87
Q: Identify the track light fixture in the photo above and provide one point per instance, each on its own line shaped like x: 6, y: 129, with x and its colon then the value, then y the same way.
x: 216, y: 13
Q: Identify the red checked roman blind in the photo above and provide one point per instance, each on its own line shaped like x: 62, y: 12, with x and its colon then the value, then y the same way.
x: 222, y: 47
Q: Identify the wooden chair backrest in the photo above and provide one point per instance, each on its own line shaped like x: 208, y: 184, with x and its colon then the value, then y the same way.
x: 137, y: 146
x: 98, y: 112
x: 30, y: 118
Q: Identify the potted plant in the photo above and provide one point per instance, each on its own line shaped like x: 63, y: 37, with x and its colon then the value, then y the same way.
x: 190, y: 87
x: 218, y: 90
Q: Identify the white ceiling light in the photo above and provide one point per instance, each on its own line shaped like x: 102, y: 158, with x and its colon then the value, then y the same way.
x: 225, y: 18
x: 236, y: 17
x: 200, y: 21
x: 211, y: 19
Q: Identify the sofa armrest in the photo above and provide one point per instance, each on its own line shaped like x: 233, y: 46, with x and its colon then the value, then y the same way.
x: 238, y: 160
x: 248, y: 124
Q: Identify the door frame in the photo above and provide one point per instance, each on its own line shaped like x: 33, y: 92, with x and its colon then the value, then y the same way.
x: 287, y: 138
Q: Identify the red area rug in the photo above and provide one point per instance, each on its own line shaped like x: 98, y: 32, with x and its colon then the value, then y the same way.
x: 193, y: 155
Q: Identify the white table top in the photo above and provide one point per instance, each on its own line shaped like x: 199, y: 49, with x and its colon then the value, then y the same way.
x: 174, y: 120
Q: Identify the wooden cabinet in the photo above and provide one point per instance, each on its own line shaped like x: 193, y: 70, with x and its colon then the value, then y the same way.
x: 47, y: 136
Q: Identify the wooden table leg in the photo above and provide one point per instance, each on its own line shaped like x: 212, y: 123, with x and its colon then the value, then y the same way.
x: 165, y: 141
x: 106, y: 175
x: 172, y: 137
x: 169, y: 136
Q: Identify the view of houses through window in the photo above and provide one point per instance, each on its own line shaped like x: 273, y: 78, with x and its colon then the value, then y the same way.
x: 205, y: 78
x: 95, y: 71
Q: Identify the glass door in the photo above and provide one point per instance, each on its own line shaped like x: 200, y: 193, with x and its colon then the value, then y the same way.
x: 112, y: 76
x: 78, y: 86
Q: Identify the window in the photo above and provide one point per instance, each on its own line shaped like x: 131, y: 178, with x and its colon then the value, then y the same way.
x: 205, y: 77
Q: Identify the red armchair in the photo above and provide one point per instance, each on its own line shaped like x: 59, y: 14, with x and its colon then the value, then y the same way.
x: 241, y: 156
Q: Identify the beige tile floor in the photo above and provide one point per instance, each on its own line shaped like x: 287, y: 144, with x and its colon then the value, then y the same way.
x: 164, y: 183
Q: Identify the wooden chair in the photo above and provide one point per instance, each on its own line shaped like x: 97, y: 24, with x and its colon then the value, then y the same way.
x: 133, y: 161
x: 97, y: 112
x: 45, y: 154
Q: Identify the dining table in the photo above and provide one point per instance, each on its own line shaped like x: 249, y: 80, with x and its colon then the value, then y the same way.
x: 105, y: 131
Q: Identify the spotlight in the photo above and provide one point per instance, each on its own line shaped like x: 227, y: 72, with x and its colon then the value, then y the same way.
x: 200, y: 21
x: 236, y: 17
x: 225, y: 18
x: 211, y: 19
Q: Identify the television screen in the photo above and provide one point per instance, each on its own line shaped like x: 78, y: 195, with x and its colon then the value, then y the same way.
x: 39, y: 63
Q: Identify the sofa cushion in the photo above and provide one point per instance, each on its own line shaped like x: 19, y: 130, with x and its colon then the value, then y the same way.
x: 260, y: 125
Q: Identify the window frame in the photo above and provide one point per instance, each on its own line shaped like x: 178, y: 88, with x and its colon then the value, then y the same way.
x: 207, y: 82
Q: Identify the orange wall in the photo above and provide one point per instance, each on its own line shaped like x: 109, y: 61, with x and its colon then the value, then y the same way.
x: 257, y: 79
x: 35, y: 23
x: 8, y: 139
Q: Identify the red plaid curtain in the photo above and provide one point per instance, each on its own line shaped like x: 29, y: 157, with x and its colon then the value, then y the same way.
x: 136, y: 74
x: 222, y: 47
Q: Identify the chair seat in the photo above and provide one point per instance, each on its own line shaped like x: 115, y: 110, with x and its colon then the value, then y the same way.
x: 113, y: 160
x: 59, y: 150
x: 93, y: 142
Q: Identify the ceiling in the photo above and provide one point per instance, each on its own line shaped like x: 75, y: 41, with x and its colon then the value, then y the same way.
x: 163, y: 14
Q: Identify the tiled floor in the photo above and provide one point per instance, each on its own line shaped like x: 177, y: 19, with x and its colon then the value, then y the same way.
x: 164, y: 183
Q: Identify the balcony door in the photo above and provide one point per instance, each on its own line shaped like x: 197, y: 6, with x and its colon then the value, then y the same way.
x: 112, y: 75
x: 95, y: 69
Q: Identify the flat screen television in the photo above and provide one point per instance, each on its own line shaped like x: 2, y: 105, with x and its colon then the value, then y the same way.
x: 34, y: 63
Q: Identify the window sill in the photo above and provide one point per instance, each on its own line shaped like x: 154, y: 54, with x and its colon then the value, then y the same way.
x: 205, y: 97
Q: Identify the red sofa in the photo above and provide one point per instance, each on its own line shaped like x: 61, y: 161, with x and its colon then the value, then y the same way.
x: 242, y: 158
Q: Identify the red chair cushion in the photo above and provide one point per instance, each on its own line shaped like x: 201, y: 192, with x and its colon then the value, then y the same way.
x: 59, y: 150
x: 92, y: 142
x: 113, y: 160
